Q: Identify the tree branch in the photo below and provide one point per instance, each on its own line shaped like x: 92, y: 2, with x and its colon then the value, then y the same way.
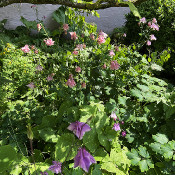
x: 89, y: 6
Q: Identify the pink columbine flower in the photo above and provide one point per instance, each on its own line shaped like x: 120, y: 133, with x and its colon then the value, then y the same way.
x: 104, y: 35
x: 149, y: 23
x: 78, y: 69
x: 49, y: 78
x: 80, y: 46
x: 101, y: 40
x: 92, y: 36
x: 75, y: 52
x: 124, y: 35
x: 154, y: 21
x: 31, y: 85
x: 117, y: 48
x: 32, y: 47
x: 73, y: 35
x: 39, y: 27
x: 154, y: 27
x: 116, y: 126
x: 148, y: 43
x: 39, y: 68
x: 111, y: 53
x: 113, y: 115
x: 152, y: 37
x: 36, y: 51
x: 104, y: 66
x: 83, y: 85
x: 26, y: 49
x: 65, y: 27
x: 123, y: 133
x: 114, y: 65
x: 70, y: 82
x: 49, y: 42
x: 56, y: 167
x: 143, y: 20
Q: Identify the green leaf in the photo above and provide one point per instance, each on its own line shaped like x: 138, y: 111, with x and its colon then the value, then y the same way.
x: 169, y: 110
x: 149, y: 163
x: 103, y: 140
x: 48, y: 121
x: 143, y: 152
x: 160, y: 138
x: 137, y: 93
x: 8, y: 157
x: 64, y: 149
x: 90, y: 140
x: 143, y: 87
x: 120, y: 158
x: 134, y: 157
x: 129, y: 138
x: 172, y: 144
x: 99, y: 154
x: 133, y: 9
x: 29, y: 24
x: 167, y: 151
x: 16, y: 171
x: 97, y: 170
x: 156, y: 147
x: 143, y: 165
x: 109, y: 166
x: 40, y: 167
x: 59, y: 15
x: 77, y: 171
x: 48, y: 135
x: 122, y: 100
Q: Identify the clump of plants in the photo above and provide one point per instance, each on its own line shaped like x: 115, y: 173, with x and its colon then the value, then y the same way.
x: 75, y: 104
x: 163, y: 11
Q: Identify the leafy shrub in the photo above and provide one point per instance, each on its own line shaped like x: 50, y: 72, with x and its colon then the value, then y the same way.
x: 59, y: 84
x: 163, y: 11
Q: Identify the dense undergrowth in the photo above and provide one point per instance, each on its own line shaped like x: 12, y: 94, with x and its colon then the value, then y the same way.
x: 72, y: 103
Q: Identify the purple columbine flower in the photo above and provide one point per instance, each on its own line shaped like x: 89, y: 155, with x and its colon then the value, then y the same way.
x: 79, y: 128
x: 113, y: 115
x: 123, y: 133
x: 44, y: 173
x: 56, y: 167
x: 83, y: 159
x: 116, y: 127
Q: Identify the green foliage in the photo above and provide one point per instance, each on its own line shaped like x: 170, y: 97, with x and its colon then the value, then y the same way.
x: 8, y: 156
x: 38, y: 116
x: 163, y: 11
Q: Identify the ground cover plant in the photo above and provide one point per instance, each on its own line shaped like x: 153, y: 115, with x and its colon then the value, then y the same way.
x: 72, y: 103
